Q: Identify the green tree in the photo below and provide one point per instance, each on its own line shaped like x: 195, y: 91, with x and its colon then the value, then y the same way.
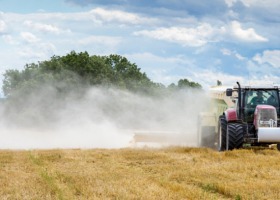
x: 76, y: 70
x: 126, y: 74
x: 185, y: 83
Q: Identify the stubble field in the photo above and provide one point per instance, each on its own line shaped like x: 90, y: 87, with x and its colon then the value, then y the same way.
x: 167, y: 173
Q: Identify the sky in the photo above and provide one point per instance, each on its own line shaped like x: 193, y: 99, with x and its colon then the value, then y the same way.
x: 202, y: 41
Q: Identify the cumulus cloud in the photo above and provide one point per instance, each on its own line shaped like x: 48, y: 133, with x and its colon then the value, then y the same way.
x: 148, y: 6
x: 262, y: 73
x: 43, y: 27
x: 118, y: 16
x: 248, y: 35
x: 29, y: 37
x: 271, y: 57
x: 193, y: 37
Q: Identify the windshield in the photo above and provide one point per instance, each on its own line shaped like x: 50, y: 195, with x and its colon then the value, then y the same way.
x: 257, y: 97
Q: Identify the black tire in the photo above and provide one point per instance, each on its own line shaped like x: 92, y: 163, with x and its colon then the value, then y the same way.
x: 222, y: 133
x: 278, y: 147
x: 235, y: 136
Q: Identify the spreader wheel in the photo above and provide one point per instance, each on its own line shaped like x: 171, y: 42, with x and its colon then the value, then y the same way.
x: 222, y: 133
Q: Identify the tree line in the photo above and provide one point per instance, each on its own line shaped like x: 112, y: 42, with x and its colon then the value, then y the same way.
x: 80, y: 70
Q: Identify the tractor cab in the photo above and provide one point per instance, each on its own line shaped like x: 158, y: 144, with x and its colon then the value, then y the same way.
x: 252, y: 97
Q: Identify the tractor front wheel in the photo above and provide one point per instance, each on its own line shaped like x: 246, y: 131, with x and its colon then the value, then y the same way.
x: 235, y: 136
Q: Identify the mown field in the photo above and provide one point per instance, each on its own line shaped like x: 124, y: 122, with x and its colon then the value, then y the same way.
x: 169, y: 173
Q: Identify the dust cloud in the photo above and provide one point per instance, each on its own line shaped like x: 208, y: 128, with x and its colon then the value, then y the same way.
x: 98, y: 118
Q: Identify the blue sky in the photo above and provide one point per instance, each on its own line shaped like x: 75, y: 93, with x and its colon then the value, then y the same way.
x: 203, y: 41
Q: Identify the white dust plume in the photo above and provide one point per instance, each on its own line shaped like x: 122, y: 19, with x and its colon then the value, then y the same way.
x: 98, y: 118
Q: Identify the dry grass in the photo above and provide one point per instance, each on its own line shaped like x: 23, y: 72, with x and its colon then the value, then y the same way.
x: 172, y: 173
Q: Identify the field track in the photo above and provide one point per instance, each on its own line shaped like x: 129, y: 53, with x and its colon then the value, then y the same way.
x: 170, y: 173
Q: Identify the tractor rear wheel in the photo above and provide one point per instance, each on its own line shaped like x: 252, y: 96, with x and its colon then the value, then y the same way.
x: 235, y: 136
x: 222, y: 133
x: 278, y: 147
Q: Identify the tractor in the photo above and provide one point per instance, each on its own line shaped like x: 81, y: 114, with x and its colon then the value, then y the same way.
x: 252, y: 120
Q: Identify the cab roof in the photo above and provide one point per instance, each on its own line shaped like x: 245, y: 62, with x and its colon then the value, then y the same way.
x: 259, y: 87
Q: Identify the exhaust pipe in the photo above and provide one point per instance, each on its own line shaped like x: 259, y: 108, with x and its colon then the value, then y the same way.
x: 239, y: 102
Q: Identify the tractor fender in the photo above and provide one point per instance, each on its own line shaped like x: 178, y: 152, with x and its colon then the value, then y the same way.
x: 231, y: 114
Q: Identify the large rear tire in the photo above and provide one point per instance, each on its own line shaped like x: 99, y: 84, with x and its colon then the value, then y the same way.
x: 235, y: 136
x: 278, y: 147
x: 222, y: 133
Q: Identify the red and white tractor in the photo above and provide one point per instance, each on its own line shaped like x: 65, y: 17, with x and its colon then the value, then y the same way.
x: 253, y: 119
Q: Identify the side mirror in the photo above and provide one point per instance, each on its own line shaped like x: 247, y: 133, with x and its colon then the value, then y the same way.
x: 229, y: 92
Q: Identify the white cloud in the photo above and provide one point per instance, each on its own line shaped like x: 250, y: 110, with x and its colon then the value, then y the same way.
x: 118, y: 16
x: 248, y: 35
x: 9, y: 39
x: 29, y: 53
x: 250, y: 3
x: 229, y: 52
x: 100, y: 39
x: 91, y: 30
x: 239, y: 57
x: 161, y: 69
x: 101, y: 44
x: 232, y: 14
x: 262, y: 74
x: 50, y: 21
x: 43, y: 27
x: 2, y: 26
x: 272, y: 57
x: 193, y: 37
x: 226, y: 52
x: 230, y: 3
x: 208, y: 78
x: 264, y: 68
x: 39, y: 51
x: 29, y: 37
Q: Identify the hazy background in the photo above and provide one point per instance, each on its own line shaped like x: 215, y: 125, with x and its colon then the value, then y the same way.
x: 97, y: 118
